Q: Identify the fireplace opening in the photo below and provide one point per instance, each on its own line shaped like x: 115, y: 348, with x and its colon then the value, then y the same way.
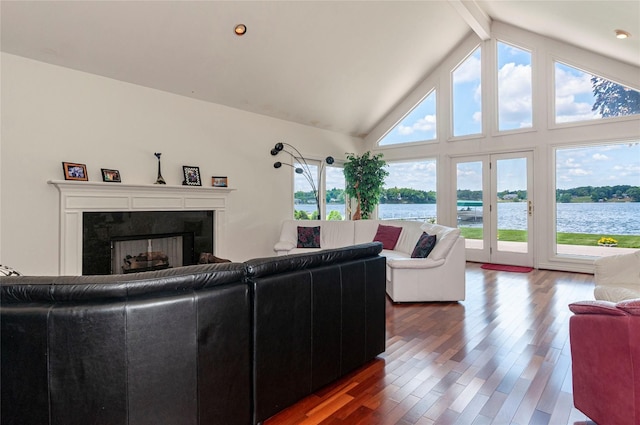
x: 143, y: 253
x: 180, y: 236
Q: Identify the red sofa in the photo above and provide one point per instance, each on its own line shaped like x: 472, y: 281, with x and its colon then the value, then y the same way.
x: 605, y: 353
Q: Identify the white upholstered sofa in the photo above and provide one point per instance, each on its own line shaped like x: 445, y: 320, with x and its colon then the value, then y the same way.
x: 617, y: 277
x: 439, y: 277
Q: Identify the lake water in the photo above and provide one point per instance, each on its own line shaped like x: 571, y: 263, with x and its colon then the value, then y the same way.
x: 615, y: 218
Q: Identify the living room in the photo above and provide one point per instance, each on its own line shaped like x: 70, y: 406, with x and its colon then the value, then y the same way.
x: 66, y: 98
x: 53, y: 114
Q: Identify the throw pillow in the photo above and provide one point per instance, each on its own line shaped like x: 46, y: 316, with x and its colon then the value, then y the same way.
x: 309, y: 237
x: 424, y: 246
x: 388, y: 235
x: 8, y: 271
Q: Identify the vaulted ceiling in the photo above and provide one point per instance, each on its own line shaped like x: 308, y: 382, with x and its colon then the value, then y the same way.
x: 337, y: 65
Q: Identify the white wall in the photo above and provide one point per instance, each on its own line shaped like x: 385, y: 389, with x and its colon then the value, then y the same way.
x: 52, y: 114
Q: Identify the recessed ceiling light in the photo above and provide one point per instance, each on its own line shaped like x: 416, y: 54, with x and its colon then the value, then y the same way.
x: 622, y: 34
x: 240, y: 29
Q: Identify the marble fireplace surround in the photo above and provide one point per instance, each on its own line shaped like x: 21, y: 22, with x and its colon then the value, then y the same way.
x: 77, y: 197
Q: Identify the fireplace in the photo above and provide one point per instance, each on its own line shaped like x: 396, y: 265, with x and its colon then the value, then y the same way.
x: 146, y: 237
x: 134, y: 254
x: 152, y: 209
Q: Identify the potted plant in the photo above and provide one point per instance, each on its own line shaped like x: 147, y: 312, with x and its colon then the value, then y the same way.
x: 364, y: 176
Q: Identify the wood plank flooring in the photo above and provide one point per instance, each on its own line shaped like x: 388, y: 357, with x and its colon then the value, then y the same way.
x: 499, y: 357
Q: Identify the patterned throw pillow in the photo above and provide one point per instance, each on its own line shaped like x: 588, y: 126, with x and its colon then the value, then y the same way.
x: 388, y: 235
x: 8, y: 271
x: 424, y: 246
x: 309, y: 237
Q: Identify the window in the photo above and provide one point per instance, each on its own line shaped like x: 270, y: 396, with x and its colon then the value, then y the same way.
x: 305, y: 204
x: 580, y: 96
x: 417, y: 126
x: 409, y: 191
x: 467, y: 96
x: 597, y: 196
x: 334, y: 193
x: 305, y: 188
x: 514, y: 88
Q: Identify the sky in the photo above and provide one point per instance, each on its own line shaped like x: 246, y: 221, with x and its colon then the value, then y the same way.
x: 610, y: 165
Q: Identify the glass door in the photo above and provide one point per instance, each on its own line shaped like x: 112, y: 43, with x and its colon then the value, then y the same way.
x: 471, y: 173
x: 494, y: 207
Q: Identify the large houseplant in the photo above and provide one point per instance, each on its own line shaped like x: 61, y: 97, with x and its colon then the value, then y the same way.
x: 364, y: 176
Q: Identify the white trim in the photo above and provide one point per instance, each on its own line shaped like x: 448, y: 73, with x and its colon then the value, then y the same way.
x: 78, y: 197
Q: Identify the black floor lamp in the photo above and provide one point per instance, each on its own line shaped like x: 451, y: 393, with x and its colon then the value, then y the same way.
x: 303, y: 168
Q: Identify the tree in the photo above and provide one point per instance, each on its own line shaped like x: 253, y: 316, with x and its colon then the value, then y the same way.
x: 364, y: 176
x: 565, y: 198
x: 334, y: 215
x: 613, y: 100
x: 634, y: 193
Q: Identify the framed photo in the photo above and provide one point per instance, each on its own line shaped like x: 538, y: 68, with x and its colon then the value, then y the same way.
x: 111, y: 176
x: 191, y: 176
x: 73, y: 171
x: 219, y: 181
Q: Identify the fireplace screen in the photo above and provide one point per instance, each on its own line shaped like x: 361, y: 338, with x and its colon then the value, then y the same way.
x: 151, y: 252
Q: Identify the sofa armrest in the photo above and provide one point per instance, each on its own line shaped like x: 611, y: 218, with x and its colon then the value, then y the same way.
x: 596, y: 307
x: 284, y: 246
x: 413, y: 263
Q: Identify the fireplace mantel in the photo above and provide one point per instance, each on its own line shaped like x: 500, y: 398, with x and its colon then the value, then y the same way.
x: 77, y: 197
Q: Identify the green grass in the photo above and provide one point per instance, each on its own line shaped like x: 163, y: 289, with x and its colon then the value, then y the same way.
x: 585, y: 239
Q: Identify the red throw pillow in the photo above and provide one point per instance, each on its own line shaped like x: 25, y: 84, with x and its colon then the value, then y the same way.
x: 308, y: 237
x: 388, y: 235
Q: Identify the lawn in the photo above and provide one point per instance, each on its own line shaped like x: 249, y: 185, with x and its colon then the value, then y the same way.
x: 585, y: 239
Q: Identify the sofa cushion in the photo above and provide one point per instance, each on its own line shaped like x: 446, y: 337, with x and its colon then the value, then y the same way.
x: 308, y: 237
x: 388, y: 235
x: 447, y: 237
x: 425, y: 245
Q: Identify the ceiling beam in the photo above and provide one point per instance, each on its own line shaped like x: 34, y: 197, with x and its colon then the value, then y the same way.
x: 474, y: 16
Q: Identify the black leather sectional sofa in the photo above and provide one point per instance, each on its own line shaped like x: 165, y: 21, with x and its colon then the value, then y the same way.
x: 230, y: 343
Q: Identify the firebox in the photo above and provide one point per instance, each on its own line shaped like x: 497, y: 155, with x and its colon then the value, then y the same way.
x: 142, y: 253
x: 136, y: 241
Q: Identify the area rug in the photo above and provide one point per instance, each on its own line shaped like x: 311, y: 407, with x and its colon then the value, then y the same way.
x: 504, y: 268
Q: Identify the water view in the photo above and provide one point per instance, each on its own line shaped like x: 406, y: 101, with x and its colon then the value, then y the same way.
x: 615, y: 218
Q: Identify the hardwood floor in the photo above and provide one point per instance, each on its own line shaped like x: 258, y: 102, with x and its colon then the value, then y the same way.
x: 499, y: 357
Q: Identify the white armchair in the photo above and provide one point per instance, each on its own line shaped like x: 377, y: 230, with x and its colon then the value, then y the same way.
x: 617, y: 277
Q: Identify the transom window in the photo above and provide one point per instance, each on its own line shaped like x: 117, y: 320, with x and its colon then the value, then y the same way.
x: 580, y: 96
x: 467, y: 95
x: 514, y: 87
x: 417, y: 126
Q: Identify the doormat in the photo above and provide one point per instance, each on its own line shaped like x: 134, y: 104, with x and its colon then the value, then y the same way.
x: 503, y: 268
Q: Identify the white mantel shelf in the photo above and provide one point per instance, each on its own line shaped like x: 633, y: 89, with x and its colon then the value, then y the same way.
x: 77, y: 197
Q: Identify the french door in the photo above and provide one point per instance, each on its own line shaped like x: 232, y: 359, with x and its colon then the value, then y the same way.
x: 494, y: 207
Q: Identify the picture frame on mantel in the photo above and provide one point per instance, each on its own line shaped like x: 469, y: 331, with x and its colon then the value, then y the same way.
x: 110, y: 176
x: 219, y: 181
x: 75, y: 171
x: 191, y: 176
